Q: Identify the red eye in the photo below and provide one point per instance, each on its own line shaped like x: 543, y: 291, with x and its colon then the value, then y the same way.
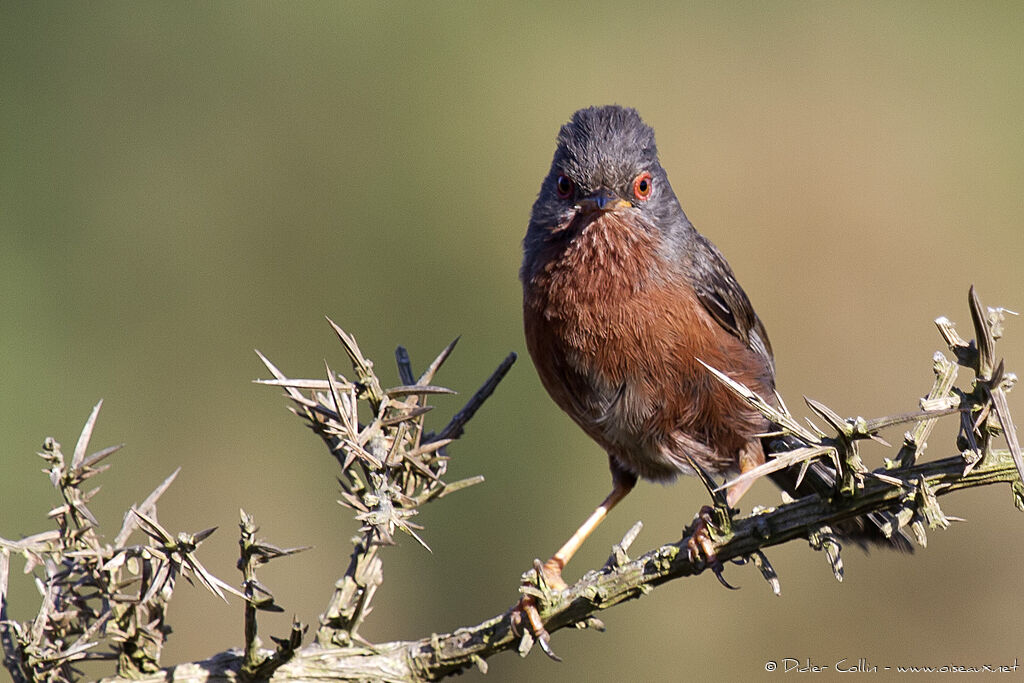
x: 642, y: 186
x: 564, y: 186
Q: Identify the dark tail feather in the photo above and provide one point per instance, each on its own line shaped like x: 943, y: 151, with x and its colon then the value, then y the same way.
x: 866, y: 532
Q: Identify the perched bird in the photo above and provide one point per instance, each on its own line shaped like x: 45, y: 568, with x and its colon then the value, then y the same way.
x: 621, y: 297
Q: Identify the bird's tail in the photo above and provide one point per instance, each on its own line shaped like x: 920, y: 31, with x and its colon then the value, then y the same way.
x: 866, y: 531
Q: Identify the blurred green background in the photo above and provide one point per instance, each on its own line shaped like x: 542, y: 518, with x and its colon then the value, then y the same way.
x: 181, y: 183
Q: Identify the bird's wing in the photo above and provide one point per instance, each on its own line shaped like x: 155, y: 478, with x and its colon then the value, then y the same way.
x: 719, y: 292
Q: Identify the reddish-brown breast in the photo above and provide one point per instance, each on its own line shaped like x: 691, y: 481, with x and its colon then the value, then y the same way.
x: 615, y: 330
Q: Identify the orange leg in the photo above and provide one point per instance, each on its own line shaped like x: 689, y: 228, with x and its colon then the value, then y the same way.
x: 699, y: 543
x: 554, y: 566
x: 552, y: 569
x: 749, y: 459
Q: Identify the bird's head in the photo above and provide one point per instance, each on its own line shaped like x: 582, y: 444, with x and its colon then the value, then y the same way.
x: 606, y: 162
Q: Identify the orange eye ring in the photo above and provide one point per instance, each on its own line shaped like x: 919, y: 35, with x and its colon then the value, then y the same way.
x: 642, y: 186
x: 564, y: 186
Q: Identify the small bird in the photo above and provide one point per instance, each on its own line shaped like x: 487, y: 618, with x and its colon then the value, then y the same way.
x: 621, y: 297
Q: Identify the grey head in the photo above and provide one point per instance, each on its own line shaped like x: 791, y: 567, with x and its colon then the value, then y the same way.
x: 606, y: 160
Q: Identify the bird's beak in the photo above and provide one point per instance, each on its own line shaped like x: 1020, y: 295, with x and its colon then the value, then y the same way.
x: 603, y: 200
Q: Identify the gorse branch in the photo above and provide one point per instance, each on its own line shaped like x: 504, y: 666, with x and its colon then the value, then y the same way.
x: 100, y: 601
x: 390, y: 465
x: 108, y: 600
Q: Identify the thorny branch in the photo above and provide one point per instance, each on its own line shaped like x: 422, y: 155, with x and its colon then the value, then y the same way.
x: 93, y: 592
x: 391, y: 465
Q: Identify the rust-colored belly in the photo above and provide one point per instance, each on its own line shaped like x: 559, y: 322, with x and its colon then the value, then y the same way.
x: 615, y: 337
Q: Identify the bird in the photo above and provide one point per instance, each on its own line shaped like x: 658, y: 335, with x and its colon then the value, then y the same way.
x: 623, y: 303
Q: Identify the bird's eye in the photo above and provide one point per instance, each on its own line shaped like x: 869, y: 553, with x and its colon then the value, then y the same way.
x: 564, y: 186
x: 642, y: 186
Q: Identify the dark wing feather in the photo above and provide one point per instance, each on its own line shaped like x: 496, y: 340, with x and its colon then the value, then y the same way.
x: 719, y: 292
x: 725, y: 300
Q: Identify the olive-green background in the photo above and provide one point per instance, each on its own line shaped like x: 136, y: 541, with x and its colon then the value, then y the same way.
x: 181, y: 183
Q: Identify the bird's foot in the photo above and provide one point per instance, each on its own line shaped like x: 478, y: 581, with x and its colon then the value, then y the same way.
x: 700, y: 546
x: 537, y: 585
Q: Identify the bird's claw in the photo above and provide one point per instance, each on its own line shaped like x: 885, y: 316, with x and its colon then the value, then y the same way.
x: 549, y: 576
x: 545, y: 644
x: 700, y: 547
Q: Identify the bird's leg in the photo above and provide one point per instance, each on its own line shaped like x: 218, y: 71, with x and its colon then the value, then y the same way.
x: 554, y: 566
x: 749, y: 459
x: 550, y: 572
x: 699, y: 544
